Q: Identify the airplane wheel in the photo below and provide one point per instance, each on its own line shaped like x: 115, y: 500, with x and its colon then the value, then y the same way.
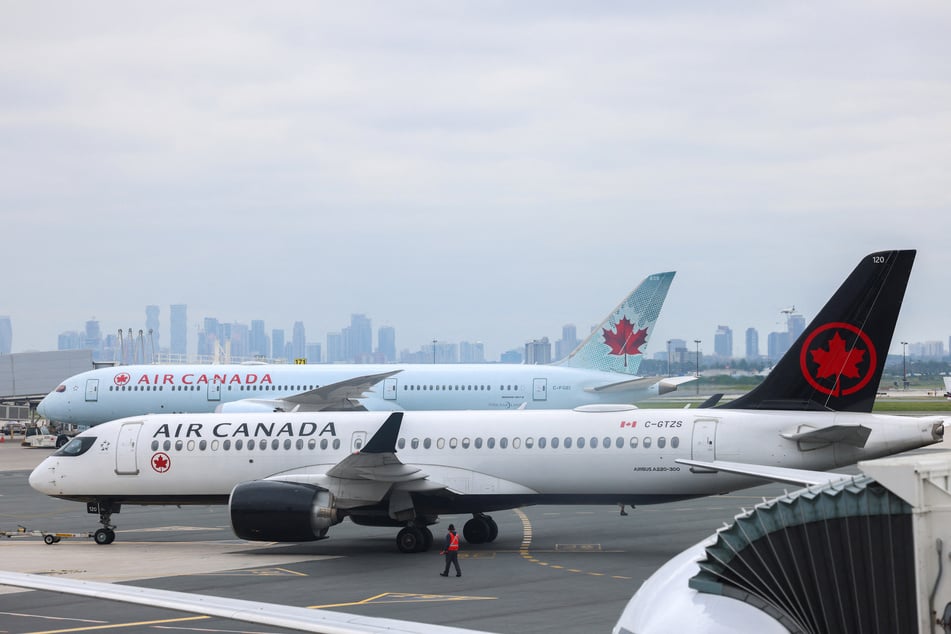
x: 49, y: 539
x: 493, y: 528
x: 427, y: 539
x: 409, y: 540
x: 476, y: 531
x: 104, y: 536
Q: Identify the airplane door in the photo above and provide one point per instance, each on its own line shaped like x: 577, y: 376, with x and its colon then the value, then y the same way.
x: 126, y: 463
x: 214, y: 391
x: 358, y: 440
x: 92, y: 390
x: 389, y: 389
x: 704, y: 445
x: 540, y: 390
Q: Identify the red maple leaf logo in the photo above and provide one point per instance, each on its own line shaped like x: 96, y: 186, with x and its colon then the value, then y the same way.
x: 161, y: 462
x: 624, y: 339
x: 122, y: 378
x: 837, y: 360
x: 840, y: 348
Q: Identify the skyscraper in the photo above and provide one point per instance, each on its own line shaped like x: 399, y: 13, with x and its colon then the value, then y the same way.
x: 723, y: 342
x: 277, y: 343
x: 752, y: 343
x: 360, y: 339
x: 257, y: 340
x: 178, y: 319
x: 567, y: 343
x: 6, y: 335
x: 386, y: 344
x: 299, y: 341
x: 538, y: 351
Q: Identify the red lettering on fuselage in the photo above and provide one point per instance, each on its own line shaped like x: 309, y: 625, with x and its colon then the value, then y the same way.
x: 205, y: 379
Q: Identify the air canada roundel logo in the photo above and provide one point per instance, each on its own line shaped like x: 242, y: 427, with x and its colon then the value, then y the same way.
x: 122, y: 378
x: 161, y: 462
x: 838, y: 359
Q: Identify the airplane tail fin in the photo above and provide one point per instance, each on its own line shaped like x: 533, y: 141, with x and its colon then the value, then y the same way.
x: 837, y: 362
x: 617, y: 344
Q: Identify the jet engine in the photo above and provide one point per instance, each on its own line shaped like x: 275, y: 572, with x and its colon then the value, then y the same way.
x: 275, y: 511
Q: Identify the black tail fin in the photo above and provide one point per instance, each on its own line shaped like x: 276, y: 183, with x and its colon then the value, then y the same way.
x: 837, y: 362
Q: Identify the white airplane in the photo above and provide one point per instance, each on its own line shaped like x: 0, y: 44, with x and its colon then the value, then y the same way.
x: 602, y: 369
x: 272, y: 614
x: 292, y: 476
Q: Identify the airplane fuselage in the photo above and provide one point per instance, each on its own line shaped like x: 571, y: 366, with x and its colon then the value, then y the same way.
x: 472, y: 461
x: 106, y: 394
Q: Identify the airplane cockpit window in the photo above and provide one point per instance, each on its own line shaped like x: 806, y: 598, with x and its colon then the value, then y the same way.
x: 77, y: 446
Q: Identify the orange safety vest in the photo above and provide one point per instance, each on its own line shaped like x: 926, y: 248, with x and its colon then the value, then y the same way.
x: 453, y: 541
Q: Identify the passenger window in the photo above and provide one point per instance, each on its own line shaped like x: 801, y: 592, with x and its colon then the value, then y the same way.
x: 226, y: 445
x: 214, y: 445
x: 262, y: 444
x: 238, y: 444
x: 452, y: 443
x: 661, y: 442
x: 155, y: 445
x: 634, y: 442
x: 567, y: 443
x: 178, y: 445
x: 516, y: 443
x: 580, y: 442
x: 441, y: 443
x: 167, y: 445
x: 554, y: 442
x: 478, y: 443
x: 336, y: 443
x: 287, y: 444
x: 529, y: 443
x: 427, y: 443
x: 541, y: 442
x: 414, y: 443
x: 503, y: 443
x: 619, y: 442
x: 490, y: 443
x: 300, y: 444
x: 401, y: 443
x: 647, y: 442
x: 323, y: 443
x: 202, y: 445
x: 465, y: 443
x: 311, y: 443
x: 675, y: 442
x: 594, y: 442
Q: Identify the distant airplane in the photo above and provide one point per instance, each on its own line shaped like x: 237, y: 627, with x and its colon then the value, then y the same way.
x: 292, y: 476
x: 602, y: 369
x: 272, y: 614
x: 947, y: 387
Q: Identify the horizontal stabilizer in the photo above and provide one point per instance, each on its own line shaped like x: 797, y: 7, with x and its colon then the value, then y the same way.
x: 855, y: 435
x: 801, y: 477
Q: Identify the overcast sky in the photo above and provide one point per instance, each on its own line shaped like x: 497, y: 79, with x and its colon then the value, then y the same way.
x: 468, y: 170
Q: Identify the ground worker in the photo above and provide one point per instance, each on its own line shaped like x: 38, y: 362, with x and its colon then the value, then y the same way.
x: 451, y: 551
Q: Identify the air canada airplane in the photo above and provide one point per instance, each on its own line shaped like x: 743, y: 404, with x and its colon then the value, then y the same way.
x: 602, y: 369
x: 292, y: 476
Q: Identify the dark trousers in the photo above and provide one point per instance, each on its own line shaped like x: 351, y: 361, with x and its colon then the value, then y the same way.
x: 452, y: 557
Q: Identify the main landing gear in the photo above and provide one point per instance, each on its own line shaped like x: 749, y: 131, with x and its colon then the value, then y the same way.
x: 480, y: 529
x: 414, y: 539
x: 107, y: 534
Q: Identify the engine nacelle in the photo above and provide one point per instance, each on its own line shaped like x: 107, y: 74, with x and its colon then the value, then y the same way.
x: 274, y: 511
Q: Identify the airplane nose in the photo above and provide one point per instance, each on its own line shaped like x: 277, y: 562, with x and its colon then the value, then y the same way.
x: 41, y: 408
x: 42, y: 478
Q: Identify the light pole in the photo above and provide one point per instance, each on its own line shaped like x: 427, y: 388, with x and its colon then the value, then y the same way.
x: 904, y: 373
x: 697, y: 341
x: 668, y: 357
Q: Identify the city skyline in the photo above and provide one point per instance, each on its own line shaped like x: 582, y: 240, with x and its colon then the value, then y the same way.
x: 355, y: 343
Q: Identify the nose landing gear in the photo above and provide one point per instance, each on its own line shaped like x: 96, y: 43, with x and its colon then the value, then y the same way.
x: 107, y: 534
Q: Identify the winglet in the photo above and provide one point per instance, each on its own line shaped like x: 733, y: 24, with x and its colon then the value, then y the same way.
x: 384, y: 440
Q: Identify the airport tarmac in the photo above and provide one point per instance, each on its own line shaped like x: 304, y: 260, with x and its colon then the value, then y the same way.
x: 552, y: 569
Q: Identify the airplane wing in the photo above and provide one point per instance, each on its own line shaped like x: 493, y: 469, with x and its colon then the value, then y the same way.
x: 801, y: 477
x: 664, y: 385
x: 271, y: 614
x: 333, y: 397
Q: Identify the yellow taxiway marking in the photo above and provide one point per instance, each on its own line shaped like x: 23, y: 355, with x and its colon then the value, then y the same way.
x: 385, y: 597
x: 254, y: 572
x: 530, y: 556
